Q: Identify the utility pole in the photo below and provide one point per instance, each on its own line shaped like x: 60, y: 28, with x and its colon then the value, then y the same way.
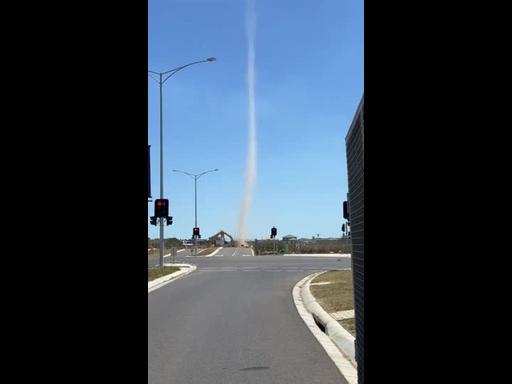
x: 161, y: 80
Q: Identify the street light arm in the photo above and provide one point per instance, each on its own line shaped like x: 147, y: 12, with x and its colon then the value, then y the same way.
x: 186, y: 173
x: 173, y: 71
x: 204, y: 173
x: 149, y: 74
x: 183, y: 66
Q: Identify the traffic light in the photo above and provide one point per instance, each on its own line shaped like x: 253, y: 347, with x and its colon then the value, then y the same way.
x: 195, y: 233
x: 169, y: 220
x: 345, y: 210
x: 162, y: 208
x: 273, y: 232
x: 152, y: 220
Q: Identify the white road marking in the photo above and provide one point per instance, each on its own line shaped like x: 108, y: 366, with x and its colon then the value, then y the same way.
x: 340, y: 255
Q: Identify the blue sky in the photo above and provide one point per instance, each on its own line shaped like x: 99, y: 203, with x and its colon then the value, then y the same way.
x: 309, y: 81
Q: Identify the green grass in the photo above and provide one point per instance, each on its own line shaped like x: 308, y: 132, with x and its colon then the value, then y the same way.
x: 155, y: 273
x: 349, y: 325
x: 338, y: 296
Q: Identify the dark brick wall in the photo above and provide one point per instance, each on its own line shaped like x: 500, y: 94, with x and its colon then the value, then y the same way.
x: 355, y: 164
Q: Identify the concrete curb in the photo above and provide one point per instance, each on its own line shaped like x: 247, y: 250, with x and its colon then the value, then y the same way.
x: 185, y: 269
x: 341, y: 337
x: 337, y: 342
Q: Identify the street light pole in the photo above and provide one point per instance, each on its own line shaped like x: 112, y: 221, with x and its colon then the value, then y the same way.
x: 195, y: 193
x: 161, y: 80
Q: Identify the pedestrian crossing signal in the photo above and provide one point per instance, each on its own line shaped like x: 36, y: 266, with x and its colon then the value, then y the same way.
x: 162, y: 208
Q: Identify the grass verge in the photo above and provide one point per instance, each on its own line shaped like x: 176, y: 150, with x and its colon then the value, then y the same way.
x: 337, y: 296
x: 155, y: 273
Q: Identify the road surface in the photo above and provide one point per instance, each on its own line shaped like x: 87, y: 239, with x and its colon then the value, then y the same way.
x: 233, y: 321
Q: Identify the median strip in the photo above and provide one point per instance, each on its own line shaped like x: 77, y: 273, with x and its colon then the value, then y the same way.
x: 155, y: 273
x: 178, y: 271
x: 208, y: 252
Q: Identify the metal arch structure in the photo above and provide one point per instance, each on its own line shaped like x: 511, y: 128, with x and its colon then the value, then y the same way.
x: 222, y: 235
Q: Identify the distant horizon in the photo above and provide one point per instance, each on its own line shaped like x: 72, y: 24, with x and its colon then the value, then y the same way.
x: 250, y: 239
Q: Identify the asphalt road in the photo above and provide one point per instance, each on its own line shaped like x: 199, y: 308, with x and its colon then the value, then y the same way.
x: 233, y: 321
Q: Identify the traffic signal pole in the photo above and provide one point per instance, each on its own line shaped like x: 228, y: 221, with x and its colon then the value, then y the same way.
x: 273, y: 235
x: 195, y: 200
x: 161, y: 174
x: 195, y: 213
x: 161, y: 82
